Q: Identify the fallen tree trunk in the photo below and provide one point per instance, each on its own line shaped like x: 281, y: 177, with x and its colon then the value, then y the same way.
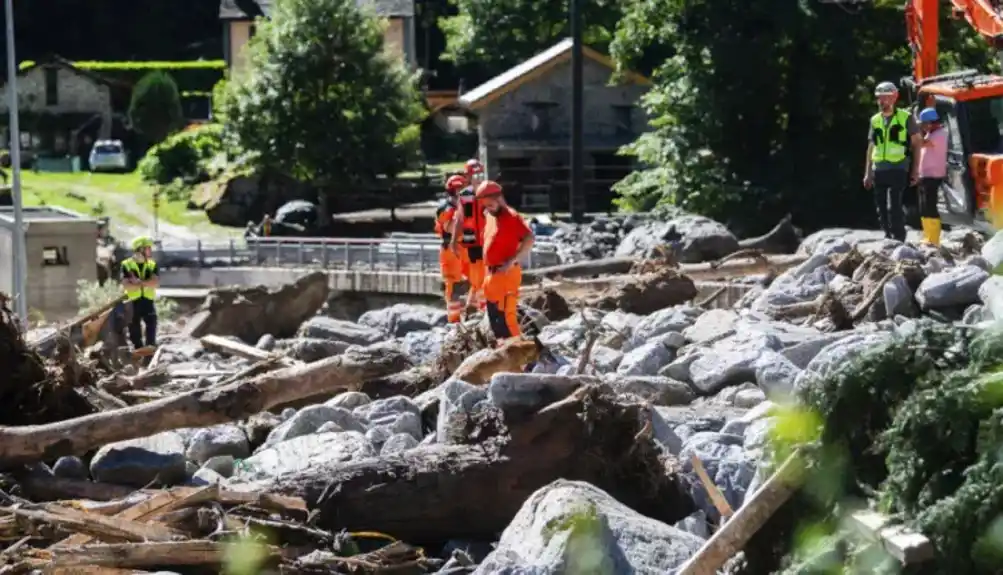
x: 426, y: 495
x: 605, y: 266
x: 197, y: 408
x: 696, y: 272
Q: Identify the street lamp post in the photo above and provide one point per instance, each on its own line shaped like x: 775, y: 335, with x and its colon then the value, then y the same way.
x: 576, y: 197
x: 20, y: 258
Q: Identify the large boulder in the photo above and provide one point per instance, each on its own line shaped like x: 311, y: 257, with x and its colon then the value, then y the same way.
x: 400, y: 319
x: 251, y: 312
x: 140, y: 462
x: 322, y: 327
x: 574, y: 527
x: 694, y: 238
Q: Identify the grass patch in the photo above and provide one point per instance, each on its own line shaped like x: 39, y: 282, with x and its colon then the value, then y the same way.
x: 84, y: 191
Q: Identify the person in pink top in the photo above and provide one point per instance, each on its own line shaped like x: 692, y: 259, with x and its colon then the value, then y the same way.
x: 932, y: 171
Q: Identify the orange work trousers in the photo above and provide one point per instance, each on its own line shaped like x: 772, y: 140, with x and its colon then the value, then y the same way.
x: 472, y: 258
x: 501, y: 290
x: 456, y: 287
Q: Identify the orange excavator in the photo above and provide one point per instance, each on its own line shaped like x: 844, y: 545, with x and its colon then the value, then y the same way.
x: 970, y: 104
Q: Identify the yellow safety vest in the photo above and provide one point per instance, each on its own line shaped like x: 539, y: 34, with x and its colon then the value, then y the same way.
x: 886, y: 148
x: 143, y: 272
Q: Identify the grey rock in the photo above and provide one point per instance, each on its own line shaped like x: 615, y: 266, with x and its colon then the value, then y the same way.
x: 401, y: 319
x: 611, y: 538
x: 70, y: 467
x: 958, y: 286
x: 287, y: 414
x: 646, y: 359
x: 775, y: 375
x: 323, y: 327
x: 378, y: 435
x: 266, y: 342
x: 386, y: 411
x: 531, y: 391
x: 221, y: 464
x: 730, y: 361
x: 712, y: 326
x: 695, y: 523
x: 398, y: 443
x: 605, y: 359
x: 329, y: 427
x: 138, y: 462
x: 898, y: 297
x: 309, y: 419
x: 991, y: 295
x: 310, y: 349
x: 206, y: 476
x: 303, y: 452
x: 657, y: 389
x: 975, y: 314
x: 749, y: 398
x: 349, y: 400
x: 838, y: 353
x: 423, y: 346
x: 906, y: 253
x: 663, y: 321
x: 226, y: 439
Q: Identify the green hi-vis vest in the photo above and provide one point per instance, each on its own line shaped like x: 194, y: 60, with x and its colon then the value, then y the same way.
x: 891, y: 139
x: 142, y: 271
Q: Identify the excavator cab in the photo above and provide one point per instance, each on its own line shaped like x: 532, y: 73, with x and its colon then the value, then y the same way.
x: 970, y: 105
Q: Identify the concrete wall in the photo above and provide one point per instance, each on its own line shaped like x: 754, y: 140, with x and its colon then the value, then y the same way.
x: 76, y: 93
x: 52, y: 289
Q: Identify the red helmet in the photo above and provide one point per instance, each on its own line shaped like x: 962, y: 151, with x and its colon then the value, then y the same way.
x: 487, y: 189
x: 474, y: 167
x: 455, y: 183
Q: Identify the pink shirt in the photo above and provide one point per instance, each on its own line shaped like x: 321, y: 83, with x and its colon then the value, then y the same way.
x: 933, y: 155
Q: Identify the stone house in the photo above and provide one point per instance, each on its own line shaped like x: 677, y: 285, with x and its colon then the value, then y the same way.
x: 524, y: 127
x: 238, y: 26
x: 63, y: 109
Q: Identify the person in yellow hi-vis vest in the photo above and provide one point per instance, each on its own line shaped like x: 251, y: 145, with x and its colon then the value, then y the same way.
x: 140, y: 281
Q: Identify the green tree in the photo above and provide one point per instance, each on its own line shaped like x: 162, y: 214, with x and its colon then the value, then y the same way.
x: 155, y: 108
x: 761, y: 109
x: 321, y: 100
x: 498, y: 34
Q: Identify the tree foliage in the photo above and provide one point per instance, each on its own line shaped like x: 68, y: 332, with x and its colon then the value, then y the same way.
x: 155, y: 108
x: 760, y: 109
x: 320, y: 99
x: 498, y: 34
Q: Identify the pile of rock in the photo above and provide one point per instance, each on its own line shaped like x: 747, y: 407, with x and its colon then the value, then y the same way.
x: 542, y: 452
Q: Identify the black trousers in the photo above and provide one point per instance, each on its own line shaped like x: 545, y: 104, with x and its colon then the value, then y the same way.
x: 143, y: 312
x: 929, y: 191
x: 889, y: 186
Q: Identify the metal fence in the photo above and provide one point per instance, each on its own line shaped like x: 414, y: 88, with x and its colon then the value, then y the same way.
x: 410, y: 253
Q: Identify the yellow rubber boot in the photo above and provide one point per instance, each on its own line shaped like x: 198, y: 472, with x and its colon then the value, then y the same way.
x: 935, y: 231
x: 925, y: 224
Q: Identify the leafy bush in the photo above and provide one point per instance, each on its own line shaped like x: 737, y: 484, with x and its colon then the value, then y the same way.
x: 92, y: 295
x: 183, y: 156
x: 155, y: 109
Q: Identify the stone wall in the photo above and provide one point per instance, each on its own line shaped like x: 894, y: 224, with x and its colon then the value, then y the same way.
x: 76, y: 93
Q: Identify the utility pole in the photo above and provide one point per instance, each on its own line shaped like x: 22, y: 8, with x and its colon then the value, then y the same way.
x: 20, y: 258
x: 576, y: 199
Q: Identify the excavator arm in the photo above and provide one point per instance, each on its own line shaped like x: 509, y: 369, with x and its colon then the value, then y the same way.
x: 923, y: 28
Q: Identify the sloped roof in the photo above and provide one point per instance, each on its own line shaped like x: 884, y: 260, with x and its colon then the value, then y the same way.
x: 250, y: 9
x: 54, y: 60
x: 532, y: 69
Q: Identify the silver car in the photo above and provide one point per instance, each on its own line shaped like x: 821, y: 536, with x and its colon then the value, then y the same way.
x: 109, y: 156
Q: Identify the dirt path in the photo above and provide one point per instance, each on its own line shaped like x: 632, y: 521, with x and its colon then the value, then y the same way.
x: 126, y: 203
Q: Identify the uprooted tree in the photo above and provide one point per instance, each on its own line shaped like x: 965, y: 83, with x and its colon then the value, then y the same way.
x: 321, y: 99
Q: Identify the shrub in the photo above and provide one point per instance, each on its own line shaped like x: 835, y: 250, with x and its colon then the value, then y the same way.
x: 155, y: 109
x: 183, y: 156
x: 92, y: 295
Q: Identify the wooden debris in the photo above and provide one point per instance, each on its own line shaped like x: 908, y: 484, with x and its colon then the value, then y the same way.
x: 720, y: 503
x: 230, y: 347
x: 733, y: 535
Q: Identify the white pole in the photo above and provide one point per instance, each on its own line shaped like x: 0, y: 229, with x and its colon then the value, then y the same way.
x: 20, y: 258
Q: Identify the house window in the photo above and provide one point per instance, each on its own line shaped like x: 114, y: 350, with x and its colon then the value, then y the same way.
x: 55, y: 256
x: 51, y: 86
x: 252, y: 31
x: 623, y: 120
x: 540, y: 118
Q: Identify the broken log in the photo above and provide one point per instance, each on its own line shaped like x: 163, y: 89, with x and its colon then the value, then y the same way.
x: 230, y: 347
x: 784, y: 238
x: 197, y: 552
x: 197, y: 408
x: 425, y: 495
x: 95, y: 524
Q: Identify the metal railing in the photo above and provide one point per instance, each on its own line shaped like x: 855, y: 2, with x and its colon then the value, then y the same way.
x: 375, y: 254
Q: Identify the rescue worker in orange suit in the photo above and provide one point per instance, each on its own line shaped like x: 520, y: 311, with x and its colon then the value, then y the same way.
x: 507, y: 241
x: 450, y: 263
x: 469, y: 242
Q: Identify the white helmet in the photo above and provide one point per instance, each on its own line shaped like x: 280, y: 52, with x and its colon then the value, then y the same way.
x: 885, y: 89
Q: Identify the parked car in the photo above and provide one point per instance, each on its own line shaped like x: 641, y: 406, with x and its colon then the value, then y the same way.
x: 109, y: 156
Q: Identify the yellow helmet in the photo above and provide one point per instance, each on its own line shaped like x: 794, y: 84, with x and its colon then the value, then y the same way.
x: 142, y: 242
